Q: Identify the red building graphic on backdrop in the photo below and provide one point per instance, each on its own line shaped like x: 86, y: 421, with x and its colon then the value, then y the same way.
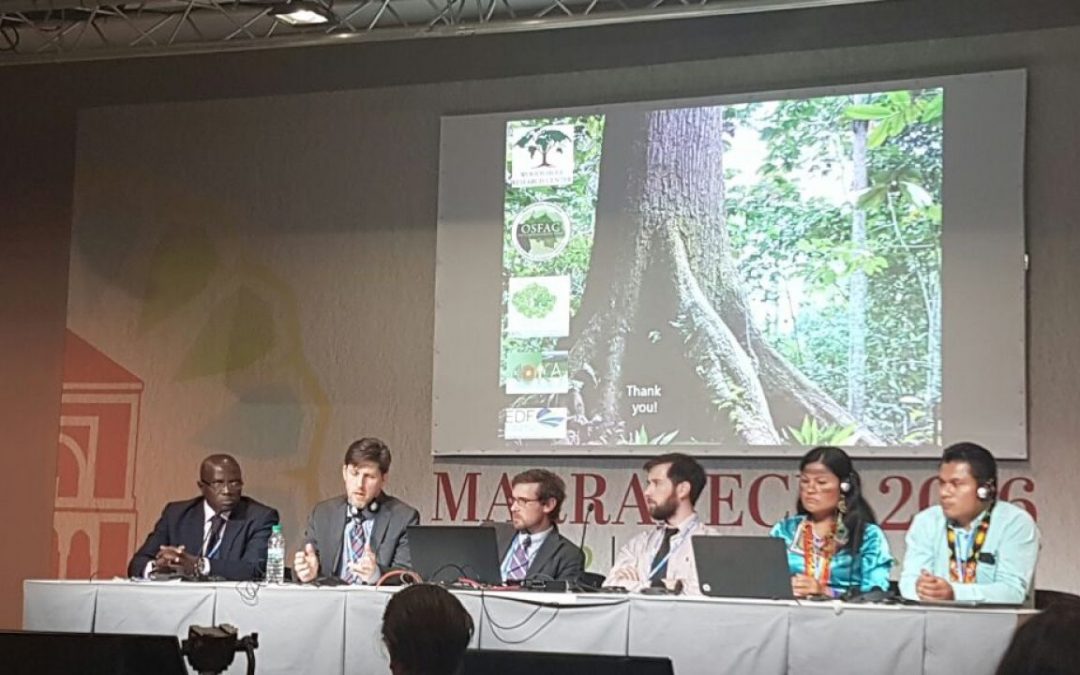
x: 94, y: 523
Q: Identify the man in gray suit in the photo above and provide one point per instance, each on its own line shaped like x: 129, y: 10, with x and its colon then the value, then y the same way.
x: 360, y: 535
x: 535, y: 549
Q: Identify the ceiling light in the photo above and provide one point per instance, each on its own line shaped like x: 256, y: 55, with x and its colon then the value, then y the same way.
x: 300, y: 13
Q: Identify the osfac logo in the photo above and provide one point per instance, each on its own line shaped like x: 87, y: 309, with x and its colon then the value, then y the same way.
x: 541, y: 231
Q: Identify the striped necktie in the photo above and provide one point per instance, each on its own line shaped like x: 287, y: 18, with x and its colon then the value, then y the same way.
x: 357, y: 541
x: 519, y: 565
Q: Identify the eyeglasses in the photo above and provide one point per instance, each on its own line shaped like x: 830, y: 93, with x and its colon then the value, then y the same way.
x: 219, y: 485
x: 522, y: 502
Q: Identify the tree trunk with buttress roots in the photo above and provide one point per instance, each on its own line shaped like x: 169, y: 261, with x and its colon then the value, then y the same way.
x: 661, y: 243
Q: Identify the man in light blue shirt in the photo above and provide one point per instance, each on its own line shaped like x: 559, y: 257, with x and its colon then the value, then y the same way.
x: 973, y: 547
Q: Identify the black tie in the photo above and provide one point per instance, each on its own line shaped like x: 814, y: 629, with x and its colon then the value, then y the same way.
x: 662, y: 554
x: 217, y: 523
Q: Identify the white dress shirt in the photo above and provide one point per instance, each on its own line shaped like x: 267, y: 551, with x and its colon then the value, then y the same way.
x: 638, y: 553
x: 208, y: 516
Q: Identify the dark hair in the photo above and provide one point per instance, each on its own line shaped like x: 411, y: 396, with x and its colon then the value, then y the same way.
x: 859, y: 513
x: 426, y: 630
x: 982, y: 463
x: 368, y: 450
x: 1046, y: 643
x: 550, y: 487
x: 683, y: 469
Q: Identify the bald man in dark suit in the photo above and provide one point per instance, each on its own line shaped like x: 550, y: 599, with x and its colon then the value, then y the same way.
x: 220, y: 534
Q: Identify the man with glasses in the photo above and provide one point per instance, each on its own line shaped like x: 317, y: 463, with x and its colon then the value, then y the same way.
x: 537, y: 550
x: 220, y: 534
x: 360, y: 535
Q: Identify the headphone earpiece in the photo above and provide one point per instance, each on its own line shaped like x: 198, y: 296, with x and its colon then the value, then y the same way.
x: 371, y: 508
x: 986, y: 491
x: 845, y: 486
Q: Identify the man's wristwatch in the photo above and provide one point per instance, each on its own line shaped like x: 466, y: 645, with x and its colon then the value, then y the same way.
x: 202, y: 566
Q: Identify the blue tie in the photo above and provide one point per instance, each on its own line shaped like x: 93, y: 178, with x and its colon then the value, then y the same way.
x: 213, y: 540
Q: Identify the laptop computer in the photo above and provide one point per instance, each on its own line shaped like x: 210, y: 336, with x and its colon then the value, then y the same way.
x: 742, y: 567
x: 445, y: 554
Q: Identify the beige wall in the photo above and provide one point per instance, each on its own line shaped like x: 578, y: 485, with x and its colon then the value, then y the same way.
x: 38, y: 136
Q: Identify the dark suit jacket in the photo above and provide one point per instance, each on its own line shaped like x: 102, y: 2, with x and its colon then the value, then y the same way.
x: 557, y: 559
x: 242, y: 555
x: 389, y: 539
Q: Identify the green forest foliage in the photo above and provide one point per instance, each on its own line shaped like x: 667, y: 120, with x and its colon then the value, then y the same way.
x: 785, y: 238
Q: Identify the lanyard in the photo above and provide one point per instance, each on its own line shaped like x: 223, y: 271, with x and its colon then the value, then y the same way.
x: 962, y: 568
x: 964, y: 542
x: 683, y: 538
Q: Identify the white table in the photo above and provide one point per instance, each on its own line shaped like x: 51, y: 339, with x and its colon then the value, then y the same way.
x: 336, y: 630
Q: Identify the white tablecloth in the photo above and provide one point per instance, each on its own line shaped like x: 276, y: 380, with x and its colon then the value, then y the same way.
x: 336, y: 630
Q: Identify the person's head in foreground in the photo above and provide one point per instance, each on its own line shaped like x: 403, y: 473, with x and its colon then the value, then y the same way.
x: 426, y: 631
x: 1047, y: 643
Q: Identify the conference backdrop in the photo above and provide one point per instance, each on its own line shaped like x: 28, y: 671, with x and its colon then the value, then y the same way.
x: 258, y: 277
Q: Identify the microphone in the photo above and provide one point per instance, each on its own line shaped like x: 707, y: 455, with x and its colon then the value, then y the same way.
x: 585, y: 524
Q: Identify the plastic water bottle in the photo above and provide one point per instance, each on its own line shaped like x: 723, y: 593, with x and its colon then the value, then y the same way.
x: 275, y: 557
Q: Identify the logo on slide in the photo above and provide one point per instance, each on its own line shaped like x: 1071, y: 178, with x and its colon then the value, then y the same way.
x: 541, y: 155
x: 537, y: 372
x: 541, y: 231
x: 527, y: 424
x: 538, y: 307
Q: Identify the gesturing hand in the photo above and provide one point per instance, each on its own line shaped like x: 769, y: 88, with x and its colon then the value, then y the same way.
x: 306, y: 564
x: 366, y: 567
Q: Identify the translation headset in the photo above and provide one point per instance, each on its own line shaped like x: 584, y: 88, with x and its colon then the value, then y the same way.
x: 370, y: 509
x: 987, y: 491
x: 845, y: 485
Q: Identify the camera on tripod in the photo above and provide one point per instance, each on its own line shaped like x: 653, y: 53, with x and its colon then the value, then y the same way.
x: 211, y: 649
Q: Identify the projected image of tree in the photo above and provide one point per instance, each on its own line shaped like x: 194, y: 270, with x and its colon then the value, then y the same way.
x: 761, y: 274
